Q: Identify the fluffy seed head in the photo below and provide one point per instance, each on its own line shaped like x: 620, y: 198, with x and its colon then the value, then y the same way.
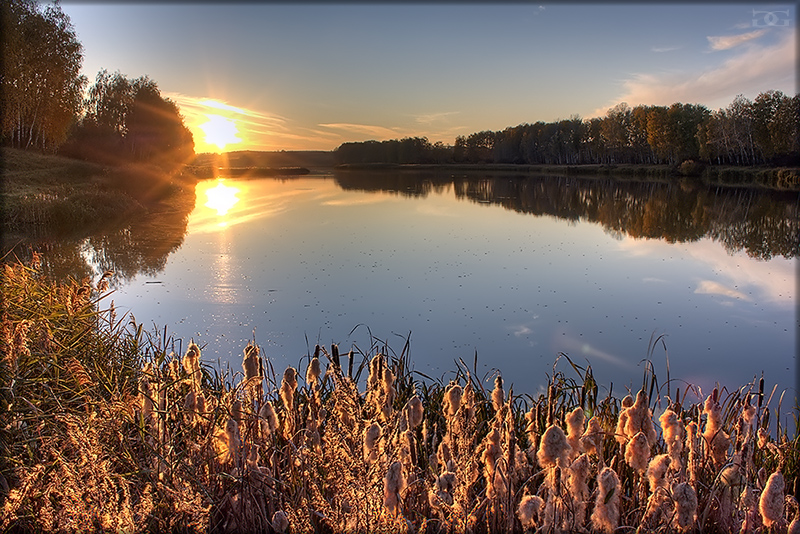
x: 415, y: 411
x: 605, y: 516
x: 637, y: 453
x: 554, y: 447
x: 452, y: 400
x: 529, y: 510
x: 771, y: 503
x: 685, y: 499
x: 280, y: 522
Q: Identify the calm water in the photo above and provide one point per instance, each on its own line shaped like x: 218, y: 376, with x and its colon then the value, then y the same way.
x: 515, y: 269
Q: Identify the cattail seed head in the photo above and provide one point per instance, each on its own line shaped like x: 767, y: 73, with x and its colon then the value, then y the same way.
x: 685, y: 498
x: 452, y: 400
x: 605, y: 516
x: 530, y: 508
x: 772, y: 499
x: 415, y: 412
x: 637, y: 453
x: 575, y: 421
x: 288, y: 387
x: 554, y: 448
x: 191, y: 364
x: 250, y: 363
x: 313, y: 372
x: 592, y: 439
x: 498, y: 395
x: 394, y: 483
x: 268, y: 419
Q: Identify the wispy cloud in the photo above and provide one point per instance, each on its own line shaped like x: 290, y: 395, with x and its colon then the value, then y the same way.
x: 378, y: 131
x: 726, y: 42
x: 659, y: 50
x: 429, y: 118
x: 755, y: 69
x: 710, y: 287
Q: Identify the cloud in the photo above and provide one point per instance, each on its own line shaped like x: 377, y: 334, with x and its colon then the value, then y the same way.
x: 664, y: 49
x: 429, y: 118
x: 368, y: 129
x: 726, y: 42
x: 709, y: 287
x: 756, y: 69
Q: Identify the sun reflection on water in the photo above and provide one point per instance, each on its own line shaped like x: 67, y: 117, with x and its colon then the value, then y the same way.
x: 221, y: 198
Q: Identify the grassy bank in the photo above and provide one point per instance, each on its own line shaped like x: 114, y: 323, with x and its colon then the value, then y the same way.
x: 102, y: 427
x: 46, y: 195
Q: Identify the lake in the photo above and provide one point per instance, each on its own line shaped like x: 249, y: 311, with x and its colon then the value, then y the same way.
x: 515, y: 269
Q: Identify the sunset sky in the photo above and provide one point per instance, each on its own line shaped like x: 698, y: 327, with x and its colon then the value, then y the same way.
x: 309, y: 76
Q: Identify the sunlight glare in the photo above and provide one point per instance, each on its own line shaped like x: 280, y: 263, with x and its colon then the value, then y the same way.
x: 221, y: 198
x: 220, y: 131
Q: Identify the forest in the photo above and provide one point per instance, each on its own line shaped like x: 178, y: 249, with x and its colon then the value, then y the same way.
x: 47, y: 106
x: 763, y: 131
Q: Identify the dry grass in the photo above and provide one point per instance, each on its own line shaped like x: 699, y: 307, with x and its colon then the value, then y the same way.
x: 103, y: 429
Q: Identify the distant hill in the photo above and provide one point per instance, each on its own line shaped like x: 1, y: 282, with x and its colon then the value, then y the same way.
x: 311, y: 159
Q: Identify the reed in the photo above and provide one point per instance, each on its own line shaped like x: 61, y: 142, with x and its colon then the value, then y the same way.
x: 105, y: 426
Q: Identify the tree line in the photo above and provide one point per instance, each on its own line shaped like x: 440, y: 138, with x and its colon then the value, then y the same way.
x: 47, y: 105
x: 761, y: 131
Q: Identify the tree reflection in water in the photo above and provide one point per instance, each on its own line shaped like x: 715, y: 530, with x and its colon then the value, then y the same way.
x: 763, y: 223
x: 141, y: 245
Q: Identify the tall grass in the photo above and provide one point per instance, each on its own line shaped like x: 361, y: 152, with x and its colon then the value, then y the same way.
x: 104, y: 427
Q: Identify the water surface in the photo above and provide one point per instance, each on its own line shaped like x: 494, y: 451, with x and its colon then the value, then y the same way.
x: 514, y: 269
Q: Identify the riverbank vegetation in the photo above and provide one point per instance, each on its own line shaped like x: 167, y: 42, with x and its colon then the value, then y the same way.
x: 676, y: 140
x: 104, y: 428
x: 49, y: 197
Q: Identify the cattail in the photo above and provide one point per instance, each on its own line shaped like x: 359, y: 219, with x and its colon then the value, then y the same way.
x: 554, y: 448
x: 637, y: 453
x: 389, y: 392
x: 578, y: 488
x: 227, y: 442
x: 622, y: 420
x: 468, y: 401
x: 592, y: 439
x: 693, y: 445
x: 530, y: 508
x: 673, y: 437
x: 313, y: 372
x: 191, y: 364
x: 288, y: 387
x: 717, y: 440
x: 498, y: 395
x: 251, y: 363
x: 190, y: 406
x: 414, y: 410
x: 451, y: 401
x: 640, y: 419
x: 394, y: 483
x: 763, y: 437
x: 575, y: 421
x: 748, y: 502
x: 657, y: 503
x: 685, y: 499
x: 280, y: 522
x: 268, y: 419
x: 605, y: 516
x: 771, y: 503
x: 371, y: 436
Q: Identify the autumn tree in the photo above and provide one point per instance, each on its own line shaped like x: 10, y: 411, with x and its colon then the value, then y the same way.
x: 127, y: 120
x: 40, y: 79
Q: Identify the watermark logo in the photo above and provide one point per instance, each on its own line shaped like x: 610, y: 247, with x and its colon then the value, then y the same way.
x: 763, y: 19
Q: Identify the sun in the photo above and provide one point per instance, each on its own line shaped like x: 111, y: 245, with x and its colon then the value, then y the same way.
x: 220, y: 131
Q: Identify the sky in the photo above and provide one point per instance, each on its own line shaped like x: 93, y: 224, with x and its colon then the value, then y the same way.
x: 311, y: 76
